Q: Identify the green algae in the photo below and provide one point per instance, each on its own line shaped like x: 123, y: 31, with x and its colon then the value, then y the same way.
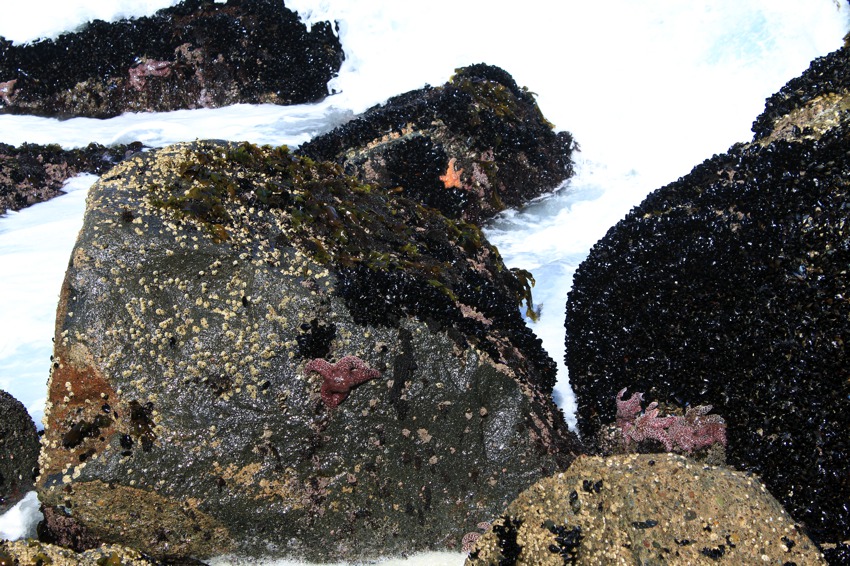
x: 337, y: 219
x: 498, y: 93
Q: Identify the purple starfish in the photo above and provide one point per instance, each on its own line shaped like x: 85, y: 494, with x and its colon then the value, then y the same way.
x: 697, y: 429
x: 340, y: 378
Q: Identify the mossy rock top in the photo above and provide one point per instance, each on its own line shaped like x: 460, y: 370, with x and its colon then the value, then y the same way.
x: 246, y: 337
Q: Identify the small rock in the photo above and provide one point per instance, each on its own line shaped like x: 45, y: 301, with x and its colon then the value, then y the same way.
x: 644, y: 509
x: 19, y: 448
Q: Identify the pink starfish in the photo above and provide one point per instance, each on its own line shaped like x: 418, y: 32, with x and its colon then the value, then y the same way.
x: 149, y: 68
x: 340, y: 378
x: 627, y: 409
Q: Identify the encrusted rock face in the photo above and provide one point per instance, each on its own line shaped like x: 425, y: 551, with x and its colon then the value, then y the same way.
x: 644, y: 509
x: 32, y: 173
x: 729, y: 288
x: 256, y: 354
x: 194, y: 55
x: 470, y: 148
x: 18, y: 451
x: 35, y: 552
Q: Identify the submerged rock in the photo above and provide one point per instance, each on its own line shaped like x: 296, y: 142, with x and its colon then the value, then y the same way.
x: 198, y: 54
x: 18, y: 451
x: 470, y: 148
x: 256, y: 354
x: 32, y: 173
x: 729, y: 288
x: 644, y: 509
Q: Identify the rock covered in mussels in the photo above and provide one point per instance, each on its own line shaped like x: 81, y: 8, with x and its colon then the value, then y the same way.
x: 197, y: 54
x: 18, y: 451
x: 729, y: 288
x: 33, y: 173
x: 644, y: 509
x: 470, y: 148
x: 257, y: 354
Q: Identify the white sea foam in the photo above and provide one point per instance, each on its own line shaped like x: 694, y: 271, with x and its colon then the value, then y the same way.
x: 20, y: 521
x: 649, y: 90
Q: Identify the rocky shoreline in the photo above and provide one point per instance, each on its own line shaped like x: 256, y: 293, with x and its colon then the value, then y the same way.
x: 318, y: 355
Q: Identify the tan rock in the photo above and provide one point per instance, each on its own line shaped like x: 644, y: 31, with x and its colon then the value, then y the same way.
x: 645, y: 509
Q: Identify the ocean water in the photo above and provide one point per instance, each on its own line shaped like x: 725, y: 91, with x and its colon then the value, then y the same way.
x: 648, y: 89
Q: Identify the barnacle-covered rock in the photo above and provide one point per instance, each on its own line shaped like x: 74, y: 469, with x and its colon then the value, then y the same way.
x: 470, y: 148
x: 644, y: 509
x: 35, y: 552
x: 197, y: 54
x: 729, y: 287
x: 18, y: 451
x: 257, y: 354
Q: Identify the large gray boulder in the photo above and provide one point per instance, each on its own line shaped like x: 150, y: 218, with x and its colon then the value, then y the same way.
x: 256, y: 354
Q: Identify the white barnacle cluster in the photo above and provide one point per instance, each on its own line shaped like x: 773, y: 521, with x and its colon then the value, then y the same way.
x: 195, y: 327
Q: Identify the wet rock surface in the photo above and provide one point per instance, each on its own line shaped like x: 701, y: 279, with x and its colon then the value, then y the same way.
x: 644, y: 509
x: 32, y: 173
x: 256, y: 354
x: 198, y: 54
x: 729, y: 288
x: 470, y: 148
x: 18, y: 451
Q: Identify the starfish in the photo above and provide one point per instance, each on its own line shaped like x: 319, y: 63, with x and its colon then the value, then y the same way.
x: 627, y: 409
x: 340, y: 378
x: 149, y: 68
x: 452, y: 177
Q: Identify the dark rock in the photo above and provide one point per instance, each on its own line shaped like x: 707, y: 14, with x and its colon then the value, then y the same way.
x: 33, y: 173
x: 729, y: 288
x: 646, y: 509
x: 19, y: 448
x: 61, y: 529
x: 198, y: 54
x: 804, y: 97
x: 273, y: 358
x: 837, y: 554
x: 470, y: 148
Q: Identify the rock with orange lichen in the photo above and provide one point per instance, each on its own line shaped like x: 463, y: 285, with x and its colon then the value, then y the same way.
x: 470, y: 148
x: 645, y: 509
x: 221, y: 304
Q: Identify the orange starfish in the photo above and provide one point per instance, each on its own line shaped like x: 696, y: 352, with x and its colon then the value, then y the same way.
x: 452, y: 177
